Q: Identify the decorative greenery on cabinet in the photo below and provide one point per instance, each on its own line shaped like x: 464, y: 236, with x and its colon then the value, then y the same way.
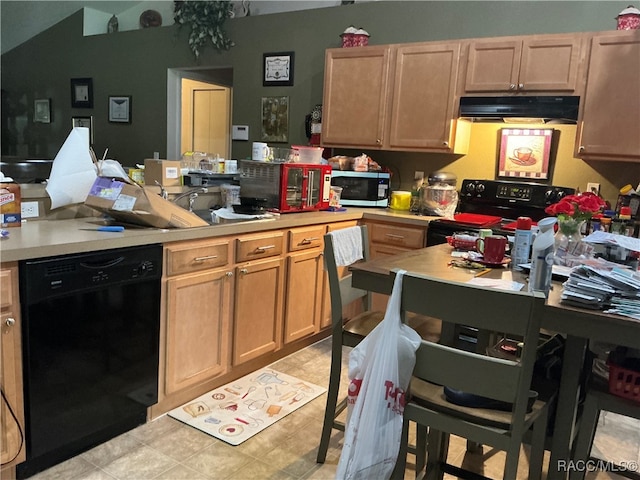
x: 206, y: 19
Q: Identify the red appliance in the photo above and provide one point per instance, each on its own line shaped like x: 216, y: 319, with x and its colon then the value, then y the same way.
x: 287, y: 187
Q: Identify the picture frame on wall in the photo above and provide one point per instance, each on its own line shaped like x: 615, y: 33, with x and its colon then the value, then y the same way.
x: 81, y: 93
x: 277, y: 69
x: 86, y: 122
x: 42, y: 110
x: 525, y: 153
x: 120, y: 108
x: 275, y: 119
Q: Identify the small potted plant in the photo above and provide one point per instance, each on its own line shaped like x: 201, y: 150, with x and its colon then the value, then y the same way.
x: 206, y: 19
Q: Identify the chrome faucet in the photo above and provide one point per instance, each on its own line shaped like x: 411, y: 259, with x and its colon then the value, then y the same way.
x: 192, y: 194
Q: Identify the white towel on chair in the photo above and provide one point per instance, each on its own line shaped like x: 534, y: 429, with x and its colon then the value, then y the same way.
x: 347, y: 245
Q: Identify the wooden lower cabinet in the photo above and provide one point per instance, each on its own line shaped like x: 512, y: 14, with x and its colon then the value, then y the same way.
x: 257, y: 320
x: 198, y: 328
x: 12, y: 441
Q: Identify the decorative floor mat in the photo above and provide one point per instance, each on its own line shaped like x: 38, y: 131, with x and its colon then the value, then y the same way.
x: 235, y: 412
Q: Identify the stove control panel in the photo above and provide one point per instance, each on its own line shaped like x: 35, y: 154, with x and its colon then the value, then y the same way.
x: 508, y: 193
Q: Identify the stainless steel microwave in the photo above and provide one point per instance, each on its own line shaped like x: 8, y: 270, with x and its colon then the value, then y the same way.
x: 362, y: 189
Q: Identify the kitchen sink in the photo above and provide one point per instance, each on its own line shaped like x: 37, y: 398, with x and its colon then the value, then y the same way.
x: 206, y: 216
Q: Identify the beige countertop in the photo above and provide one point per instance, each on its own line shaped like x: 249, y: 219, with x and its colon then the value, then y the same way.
x: 47, y: 238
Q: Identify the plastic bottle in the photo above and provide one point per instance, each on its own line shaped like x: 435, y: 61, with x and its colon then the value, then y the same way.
x: 521, y: 242
x: 542, y: 257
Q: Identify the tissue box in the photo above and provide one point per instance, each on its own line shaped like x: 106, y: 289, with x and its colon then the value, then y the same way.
x: 166, y: 172
x: 130, y: 203
x: 10, y: 209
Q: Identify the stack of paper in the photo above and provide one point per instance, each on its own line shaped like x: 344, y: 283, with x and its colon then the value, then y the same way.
x: 615, y: 290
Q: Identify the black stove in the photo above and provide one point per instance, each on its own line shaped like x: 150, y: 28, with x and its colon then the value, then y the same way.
x: 506, y: 200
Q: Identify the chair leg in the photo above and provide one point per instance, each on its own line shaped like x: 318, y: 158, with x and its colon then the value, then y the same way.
x: 537, y: 446
x: 437, y: 449
x: 421, y: 448
x: 586, y: 433
x: 401, y: 462
x: 332, y: 401
x: 511, y: 463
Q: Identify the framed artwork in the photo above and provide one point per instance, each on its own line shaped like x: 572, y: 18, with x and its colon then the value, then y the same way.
x: 120, y: 109
x: 86, y: 122
x: 275, y: 119
x: 524, y: 153
x: 277, y: 69
x: 81, y: 93
x: 42, y: 110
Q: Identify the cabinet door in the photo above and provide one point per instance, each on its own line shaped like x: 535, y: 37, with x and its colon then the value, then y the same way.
x: 257, y: 325
x: 550, y: 64
x: 610, y: 111
x: 12, y: 450
x: 303, y: 295
x: 198, y: 338
x: 424, y: 96
x: 355, y: 96
x: 493, y: 65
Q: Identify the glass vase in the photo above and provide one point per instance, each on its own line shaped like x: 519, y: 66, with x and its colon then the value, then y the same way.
x: 567, y: 238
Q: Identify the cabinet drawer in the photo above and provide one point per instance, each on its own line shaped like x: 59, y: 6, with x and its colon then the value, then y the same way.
x: 259, y: 246
x: 194, y: 256
x: 397, y: 235
x: 306, y: 238
x: 332, y: 227
x: 6, y: 288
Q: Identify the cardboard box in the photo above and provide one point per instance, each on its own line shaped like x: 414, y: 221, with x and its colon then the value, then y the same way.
x: 166, y: 172
x: 10, y: 206
x: 130, y: 203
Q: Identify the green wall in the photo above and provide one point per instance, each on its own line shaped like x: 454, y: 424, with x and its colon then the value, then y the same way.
x: 135, y: 63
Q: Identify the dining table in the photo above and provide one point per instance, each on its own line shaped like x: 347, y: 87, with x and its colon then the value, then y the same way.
x: 578, y: 326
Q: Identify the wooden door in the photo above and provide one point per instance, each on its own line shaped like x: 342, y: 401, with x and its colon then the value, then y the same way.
x: 257, y: 325
x: 493, y: 65
x: 355, y: 96
x: 550, y: 64
x: 303, y: 295
x: 610, y: 110
x: 423, y: 102
x: 198, y: 328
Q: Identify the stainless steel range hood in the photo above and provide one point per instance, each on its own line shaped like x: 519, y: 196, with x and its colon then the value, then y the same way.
x: 545, y: 109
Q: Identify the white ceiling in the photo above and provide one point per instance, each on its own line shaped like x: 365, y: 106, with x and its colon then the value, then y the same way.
x: 21, y: 20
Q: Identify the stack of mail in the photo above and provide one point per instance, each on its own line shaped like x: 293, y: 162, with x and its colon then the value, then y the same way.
x: 615, y: 290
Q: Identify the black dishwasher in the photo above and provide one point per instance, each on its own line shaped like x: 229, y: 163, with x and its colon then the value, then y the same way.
x: 90, y: 338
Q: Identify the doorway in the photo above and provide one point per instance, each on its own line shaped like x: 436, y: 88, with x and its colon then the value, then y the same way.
x: 199, y: 106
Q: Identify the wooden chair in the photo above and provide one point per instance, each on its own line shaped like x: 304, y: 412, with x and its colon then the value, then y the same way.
x: 597, y: 399
x: 506, y: 381
x: 349, y: 332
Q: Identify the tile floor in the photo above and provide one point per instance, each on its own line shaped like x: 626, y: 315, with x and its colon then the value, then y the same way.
x: 167, y: 449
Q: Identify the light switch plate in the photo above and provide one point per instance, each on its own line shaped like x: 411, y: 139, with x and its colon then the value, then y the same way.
x: 240, y: 132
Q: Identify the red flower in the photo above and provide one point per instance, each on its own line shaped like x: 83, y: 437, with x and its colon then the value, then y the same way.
x: 578, y: 207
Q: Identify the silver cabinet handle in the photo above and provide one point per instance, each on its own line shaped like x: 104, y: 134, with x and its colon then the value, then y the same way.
x: 202, y: 259
x: 10, y: 322
x: 229, y: 274
x: 520, y: 86
x: 512, y: 86
x: 244, y: 271
x: 581, y: 148
x: 400, y: 237
x: 309, y: 240
x: 266, y: 247
x: 378, y: 141
x: 446, y: 144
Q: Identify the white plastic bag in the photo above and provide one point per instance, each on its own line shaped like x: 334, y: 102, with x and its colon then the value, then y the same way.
x: 380, y: 368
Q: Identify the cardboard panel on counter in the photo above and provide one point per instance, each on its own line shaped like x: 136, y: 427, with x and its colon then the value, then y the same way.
x: 130, y: 203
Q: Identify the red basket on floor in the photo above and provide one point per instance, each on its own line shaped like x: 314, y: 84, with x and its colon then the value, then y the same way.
x: 624, y: 382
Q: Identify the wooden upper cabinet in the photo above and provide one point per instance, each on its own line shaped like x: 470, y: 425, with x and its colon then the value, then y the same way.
x: 423, y: 100
x: 608, y: 127
x: 543, y: 63
x: 355, y: 96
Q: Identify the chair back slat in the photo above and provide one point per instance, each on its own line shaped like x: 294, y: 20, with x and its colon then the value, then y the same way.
x: 473, y: 373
